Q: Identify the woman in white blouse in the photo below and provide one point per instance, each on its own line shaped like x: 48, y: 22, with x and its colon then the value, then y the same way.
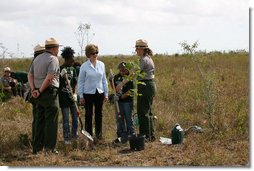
x: 93, y: 89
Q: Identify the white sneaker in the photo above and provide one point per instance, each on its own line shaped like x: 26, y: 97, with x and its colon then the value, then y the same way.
x: 67, y: 142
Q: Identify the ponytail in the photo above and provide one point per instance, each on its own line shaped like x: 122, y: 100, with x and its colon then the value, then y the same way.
x: 148, y: 52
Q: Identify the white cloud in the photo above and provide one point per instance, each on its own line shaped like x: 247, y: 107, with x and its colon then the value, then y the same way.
x: 118, y: 23
x: 11, y: 30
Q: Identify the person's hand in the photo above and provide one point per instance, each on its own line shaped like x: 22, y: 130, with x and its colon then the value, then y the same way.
x: 105, y: 98
x: 127, y: 94
x: 119, y: 87
x: 63, y: 72
x: 82, y: 101
x: 75, y: 97
x: 35, y: 94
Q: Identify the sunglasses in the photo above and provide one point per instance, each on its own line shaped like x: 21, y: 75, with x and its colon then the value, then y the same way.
x: 94, y: 53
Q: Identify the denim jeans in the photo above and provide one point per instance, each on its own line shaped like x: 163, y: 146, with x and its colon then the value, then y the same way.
x: 125, y: 122
x: 66, y: 128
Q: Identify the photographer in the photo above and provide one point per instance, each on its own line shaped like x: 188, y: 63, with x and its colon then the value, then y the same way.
x: 8, y: 84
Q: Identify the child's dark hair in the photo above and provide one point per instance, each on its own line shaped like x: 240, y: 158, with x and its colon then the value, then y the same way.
x: 67, y: 52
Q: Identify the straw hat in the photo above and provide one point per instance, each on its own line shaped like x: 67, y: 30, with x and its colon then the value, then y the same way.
x: 39, y: 48
x: 7, y: 69
x: 51, y: 42
x: 141, y: 43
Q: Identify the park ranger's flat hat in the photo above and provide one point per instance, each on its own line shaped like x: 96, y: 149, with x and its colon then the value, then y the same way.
x: 141, y: 43
x: 51, y: 42
x: 7, y: 69
x: 39, y: 48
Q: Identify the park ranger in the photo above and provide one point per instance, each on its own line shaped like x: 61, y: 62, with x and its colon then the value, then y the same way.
x: 145, y: 101
x: 43, y: 79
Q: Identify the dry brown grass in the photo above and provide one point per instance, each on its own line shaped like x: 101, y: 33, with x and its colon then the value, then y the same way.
x: 179, y: 99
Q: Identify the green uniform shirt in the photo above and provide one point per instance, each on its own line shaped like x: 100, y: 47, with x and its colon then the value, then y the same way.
x: 65, y: 98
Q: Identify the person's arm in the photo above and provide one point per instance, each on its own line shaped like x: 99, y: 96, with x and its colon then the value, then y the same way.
x: 74, y: 81
x: 129, y: 92
x: 111, y: 78
x: 34, y: 93
x: 81, y: 82
x: 126, y: 94
x: 105, y: 83
x: 30, y: 78
x: 53, y: 70
x: 47, y: 81
x: 120, y: 86
x: 74, y: 84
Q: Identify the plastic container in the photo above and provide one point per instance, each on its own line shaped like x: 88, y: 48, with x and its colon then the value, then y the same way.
x: 137, y: 143
x: 177, y: 134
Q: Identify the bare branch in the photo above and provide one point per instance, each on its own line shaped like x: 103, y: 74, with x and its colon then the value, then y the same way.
x: 81, y: 33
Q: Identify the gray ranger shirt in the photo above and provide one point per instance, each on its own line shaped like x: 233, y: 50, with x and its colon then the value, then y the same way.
x: 42, y: 65
x: 147, y: 66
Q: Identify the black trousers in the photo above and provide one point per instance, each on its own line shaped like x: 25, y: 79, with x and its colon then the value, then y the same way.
x: 94, y: 101
x: 144, y: 108
x: 46, y: 120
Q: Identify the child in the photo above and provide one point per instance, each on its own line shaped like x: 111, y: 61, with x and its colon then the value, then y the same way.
x: 66, y: 101
x: 124, y: 120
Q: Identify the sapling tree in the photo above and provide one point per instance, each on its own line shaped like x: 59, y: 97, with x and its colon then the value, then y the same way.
x: 209, y: 91
x: 135, y: 74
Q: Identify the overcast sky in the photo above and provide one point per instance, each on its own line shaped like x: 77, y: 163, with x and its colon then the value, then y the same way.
x: 117, y: 24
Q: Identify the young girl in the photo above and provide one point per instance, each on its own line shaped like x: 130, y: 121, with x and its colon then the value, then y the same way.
x: 66, y: 100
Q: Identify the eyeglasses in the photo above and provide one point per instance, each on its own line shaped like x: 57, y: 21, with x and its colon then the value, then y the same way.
x: 94, y: 53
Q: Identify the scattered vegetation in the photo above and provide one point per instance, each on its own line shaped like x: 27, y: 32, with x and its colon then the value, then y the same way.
x: 218, y: 101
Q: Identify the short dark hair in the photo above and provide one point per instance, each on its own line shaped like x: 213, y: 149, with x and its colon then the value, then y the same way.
x: 122, y: 65
x: 67, y: 52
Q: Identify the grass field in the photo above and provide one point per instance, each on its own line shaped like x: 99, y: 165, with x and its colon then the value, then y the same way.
x: 218, y: 102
